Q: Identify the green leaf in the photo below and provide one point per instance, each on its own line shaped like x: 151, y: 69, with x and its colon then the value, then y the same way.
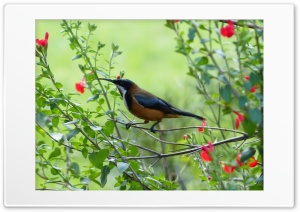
x: 122, y: 166
x: 208, y: 67
x: 56, y: 152
x: 201, y: 61
x: 102, y: 73
x: 72, y: 133
x: 85, y: 180
x: 255, y: 115
x: 41, y: 119
x: 92, y: 98
x: 96, y: 128
x: 220, y: 52
x: 225, y: 93
x: 249, y: 126
x: 75, y: 169
x: 77, y: 57
x: 254, y: 77
x: 72, y: 122
x: 56, y: 136
x: 103, y: 178
x: 58, y: 85
x: 247, y: 85
x: 247, y: 154
x: 108, y: 128
x: 55, y: 121
x: 97, y: 158
x: 85, y: 152
x: 242, y: 102
x: 191, y: 33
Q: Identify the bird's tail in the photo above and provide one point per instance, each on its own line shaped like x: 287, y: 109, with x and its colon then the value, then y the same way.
x: 183, y: 113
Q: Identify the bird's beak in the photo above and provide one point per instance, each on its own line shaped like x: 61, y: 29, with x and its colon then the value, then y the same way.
x: 106, y: 79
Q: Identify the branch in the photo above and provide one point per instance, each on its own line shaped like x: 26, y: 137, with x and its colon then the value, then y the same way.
x: 192, y: 150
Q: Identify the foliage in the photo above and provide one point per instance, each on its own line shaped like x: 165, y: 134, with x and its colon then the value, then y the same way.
x: 228, y: 73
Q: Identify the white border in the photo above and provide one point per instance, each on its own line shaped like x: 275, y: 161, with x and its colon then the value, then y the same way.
x: 19, y: 35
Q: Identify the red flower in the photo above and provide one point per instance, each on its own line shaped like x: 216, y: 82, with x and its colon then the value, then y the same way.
x: 201, y: 129
x: 43, y: 42
x: 252, y: 162
x: 118, y: 77
x: 239, y: 119
x: 185, y: 136
x: 176, y: 21
x: 80, y: 86
x: 253, y: 89
x: 228, y: 30
x: 238, y: 159
x: 228, y: 169
x: 205, y: 153
x: 209, y: 177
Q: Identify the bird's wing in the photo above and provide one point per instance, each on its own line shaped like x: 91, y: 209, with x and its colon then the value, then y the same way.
x: 154, y: 102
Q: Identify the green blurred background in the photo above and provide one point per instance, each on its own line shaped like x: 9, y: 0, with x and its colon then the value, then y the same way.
x: 148, y: 58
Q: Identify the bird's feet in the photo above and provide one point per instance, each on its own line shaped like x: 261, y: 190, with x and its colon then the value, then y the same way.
x: 128, y: 125
x: 152, y: 129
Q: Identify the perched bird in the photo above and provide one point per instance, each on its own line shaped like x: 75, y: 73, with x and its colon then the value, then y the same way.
x: 145, y: 105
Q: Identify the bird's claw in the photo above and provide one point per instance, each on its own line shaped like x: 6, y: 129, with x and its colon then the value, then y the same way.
x: 152, y: 130
x: 128, y: 125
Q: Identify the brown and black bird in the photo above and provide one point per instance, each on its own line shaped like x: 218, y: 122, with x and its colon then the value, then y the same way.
x: 145, y: 105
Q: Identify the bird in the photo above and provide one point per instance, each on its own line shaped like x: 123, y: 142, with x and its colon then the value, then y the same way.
x: 146, y: 105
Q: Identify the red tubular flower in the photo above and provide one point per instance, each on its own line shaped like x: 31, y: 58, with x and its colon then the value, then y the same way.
x: 176, y: 21
x: 238, y: 159
x: 205, y: 153
x: 228, y: 169
x: 252, y: 162
x: 80, y: 86
x: 228, y: 30
x: 247, y: 78
x: 43, y: 42
x: 118, y: 77
x: 239, y: 119
x: 204, y: 123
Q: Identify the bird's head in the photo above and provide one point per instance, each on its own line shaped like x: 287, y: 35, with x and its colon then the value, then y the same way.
x: 122, y: 84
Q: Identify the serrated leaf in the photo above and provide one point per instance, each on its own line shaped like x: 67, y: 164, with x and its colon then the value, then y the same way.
x: 72, y: 122
x: 56, y: 152
x: 247, y: 154
x: 103, y: 178
x: 77, y: 57
x: 72, y: 133
x: 122, y: 166
x: 92, y: 98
